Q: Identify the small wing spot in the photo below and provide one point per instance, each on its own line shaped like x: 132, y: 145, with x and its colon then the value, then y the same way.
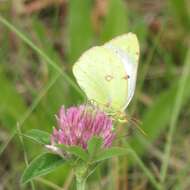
x: 126, y: 77
x: 108, y: 77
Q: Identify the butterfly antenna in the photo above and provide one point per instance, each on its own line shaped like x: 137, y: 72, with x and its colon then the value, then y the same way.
x: 137, y: 123
x: 123, y: 136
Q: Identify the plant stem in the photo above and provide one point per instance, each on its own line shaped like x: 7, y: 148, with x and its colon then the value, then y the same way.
x: 81, y: 173
x: 81, y: 183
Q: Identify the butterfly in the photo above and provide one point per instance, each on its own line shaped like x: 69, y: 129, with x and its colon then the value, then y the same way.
x: 107, y: 74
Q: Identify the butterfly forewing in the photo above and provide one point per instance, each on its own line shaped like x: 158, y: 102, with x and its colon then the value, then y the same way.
x: 107, y: 73
x: 102, y: 76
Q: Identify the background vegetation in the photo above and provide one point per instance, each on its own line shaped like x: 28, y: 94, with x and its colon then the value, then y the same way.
x: 37, y: 51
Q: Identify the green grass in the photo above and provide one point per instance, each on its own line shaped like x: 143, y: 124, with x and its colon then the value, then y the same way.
x: 36, y: 57
x: 183, y: 82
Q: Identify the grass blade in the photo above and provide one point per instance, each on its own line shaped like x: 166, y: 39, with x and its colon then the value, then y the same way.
x: 40, y: 52
x: 116, y: 20
x: 176, y: 111
x: 80, y: 30
x: 30, y: 110
x: 144, y: 168
x: 25, y: 153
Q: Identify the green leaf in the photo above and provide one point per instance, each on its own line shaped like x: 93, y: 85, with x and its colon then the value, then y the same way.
x: 116, y: 21
x: 39, y: 136
x: 74, y: 150
x: 109, y: 153
x: 80, y: 30
x: 180, y: 12
x: 78, y: 151
x: 12, y: 106
x: 41, y: 165
x: 94, y: 145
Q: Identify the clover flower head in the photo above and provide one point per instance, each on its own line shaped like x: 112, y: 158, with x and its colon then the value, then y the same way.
x: 77, y: 125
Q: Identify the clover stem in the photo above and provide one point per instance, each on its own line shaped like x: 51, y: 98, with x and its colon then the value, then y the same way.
x: 81, y: 173
x: 81, y: 183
